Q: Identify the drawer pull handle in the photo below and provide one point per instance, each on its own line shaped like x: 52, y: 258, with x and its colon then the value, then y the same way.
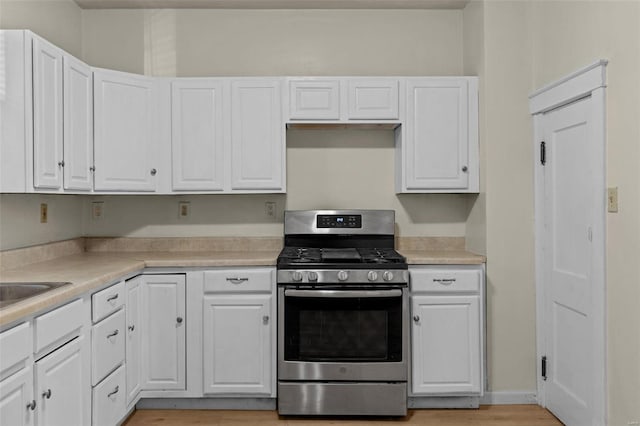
x: 111, y: 298
x: 237, y: 280
x: 132, y: 327
x: 265, y: 319
x: 444, y: 281
x: 32, y: 405
x: 47, y: 394
x: 113, y: 392
x: 112, y: 334
x: 416, y: 318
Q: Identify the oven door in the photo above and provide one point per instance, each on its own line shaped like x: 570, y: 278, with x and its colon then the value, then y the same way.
x: 342, y: 334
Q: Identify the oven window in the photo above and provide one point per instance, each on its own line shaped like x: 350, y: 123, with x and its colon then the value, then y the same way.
x: 357, y: 329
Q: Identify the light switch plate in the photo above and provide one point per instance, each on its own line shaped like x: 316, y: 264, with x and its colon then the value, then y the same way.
x: 44, y: 213
x: 184, y: 209
x: 97, y: 210
x: 612, y: 200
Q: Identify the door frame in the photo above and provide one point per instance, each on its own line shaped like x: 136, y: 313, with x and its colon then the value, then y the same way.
x: 589, y: 81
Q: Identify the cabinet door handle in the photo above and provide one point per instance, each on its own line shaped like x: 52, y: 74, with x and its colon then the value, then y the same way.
x: 47, y: 394
x: 113, y: 392
x: 153, y: 172
x: 465, y: 168
x: 416, y: 318
x: 32, y: 405
x: 92, y: 168
x: 444, y: 281
x: 111, y: 298
x: 131, y: 327
x: 112, y: 334
x: 237, y: 280
x: 179, y: 320
x: 61, y: 163
x: 265, y: 319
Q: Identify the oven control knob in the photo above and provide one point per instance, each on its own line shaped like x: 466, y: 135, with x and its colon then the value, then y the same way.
x: 387, y: 275
x: 312, y: 276
x: 372, y: 275
x: 343, y: 275
x: 296, y: 276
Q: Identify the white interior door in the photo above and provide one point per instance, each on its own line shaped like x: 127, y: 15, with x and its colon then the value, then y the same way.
x: 571, y: 212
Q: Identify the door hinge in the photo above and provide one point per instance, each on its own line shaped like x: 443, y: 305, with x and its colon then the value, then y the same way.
x: 543, y: 153
x: 544, y: 367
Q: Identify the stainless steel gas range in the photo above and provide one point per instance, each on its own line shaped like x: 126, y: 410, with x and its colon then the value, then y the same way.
x: 342, y: 315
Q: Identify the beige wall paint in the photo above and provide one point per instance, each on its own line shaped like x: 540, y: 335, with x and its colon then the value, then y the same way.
x: 509, y: 197
x: 325, y: 169
x: 20, y: 219
x: 474, y: 64
x: 576, y: 35
x: 58, y: 21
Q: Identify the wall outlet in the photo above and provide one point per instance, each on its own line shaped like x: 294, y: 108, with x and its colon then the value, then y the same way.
x: 44, y: 213
x: 270, y: 209
x: 612, y: 200
x: 184, y: 209
x: 97, y: 210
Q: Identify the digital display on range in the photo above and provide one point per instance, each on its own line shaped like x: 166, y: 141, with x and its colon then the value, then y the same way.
x: 339, y: 221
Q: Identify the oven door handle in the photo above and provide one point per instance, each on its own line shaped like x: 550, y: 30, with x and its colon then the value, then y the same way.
x: 341, y: 294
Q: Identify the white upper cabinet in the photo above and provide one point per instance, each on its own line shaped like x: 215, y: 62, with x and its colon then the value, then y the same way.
x: 47, y: 115
x: 125, y: 139
x: 373, y: 99
x: 78, y: 125
x: 438, y: 142
x: 257, y: 135
x: 197, y: 135
x: 314, y: 99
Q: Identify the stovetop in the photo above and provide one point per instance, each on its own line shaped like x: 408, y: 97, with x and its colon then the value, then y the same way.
x: 340, y: 258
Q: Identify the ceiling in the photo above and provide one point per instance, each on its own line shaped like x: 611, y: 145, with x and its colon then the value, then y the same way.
x: 272, y: 4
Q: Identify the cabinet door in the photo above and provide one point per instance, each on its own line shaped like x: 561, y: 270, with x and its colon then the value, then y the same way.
x: 16, y: 399
x: 445, y: 344
x: 78, y: 125
x: 314, y: 99
x: 437, y: 141
x: 47, y: 115
x: 163, y: 332
x: 257, y: 135
x: 62, y: 391
x: 134, y: 341
x: 124, y: 113
x: 237, y: 344
x: 373, y: 99
x: 197, y: 135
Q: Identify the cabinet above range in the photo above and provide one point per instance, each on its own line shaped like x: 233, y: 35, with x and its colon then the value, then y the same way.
x: 71, y: 128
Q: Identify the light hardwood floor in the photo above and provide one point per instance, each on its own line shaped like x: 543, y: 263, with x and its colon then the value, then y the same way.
x: 487, y: 415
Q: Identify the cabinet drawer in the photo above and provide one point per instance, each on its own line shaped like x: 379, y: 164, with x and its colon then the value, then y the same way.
x: 107, y: 301
x: 57, y: 324
x: 234, y: 280
x: 15, y: 346
x: 107, y: 343
x: 109, y: 399
x: 445, y: 280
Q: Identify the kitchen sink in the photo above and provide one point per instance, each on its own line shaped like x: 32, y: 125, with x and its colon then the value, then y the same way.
x: 17, y: 291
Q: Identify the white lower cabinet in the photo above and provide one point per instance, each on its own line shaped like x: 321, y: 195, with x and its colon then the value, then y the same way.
x: 133, y: 340
x: 17, y: 403
x: 446, y: 330
x: 239, y: 332
x: 61, y: 393
x: 163, y: 332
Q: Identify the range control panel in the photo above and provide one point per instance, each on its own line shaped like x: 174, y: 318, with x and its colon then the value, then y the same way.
x: 339, y: 221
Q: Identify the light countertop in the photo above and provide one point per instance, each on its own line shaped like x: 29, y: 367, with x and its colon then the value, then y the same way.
x: 91, y: 270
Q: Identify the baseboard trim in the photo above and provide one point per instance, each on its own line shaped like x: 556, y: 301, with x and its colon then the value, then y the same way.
x: 207, y: 403
x: 509, y: 398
